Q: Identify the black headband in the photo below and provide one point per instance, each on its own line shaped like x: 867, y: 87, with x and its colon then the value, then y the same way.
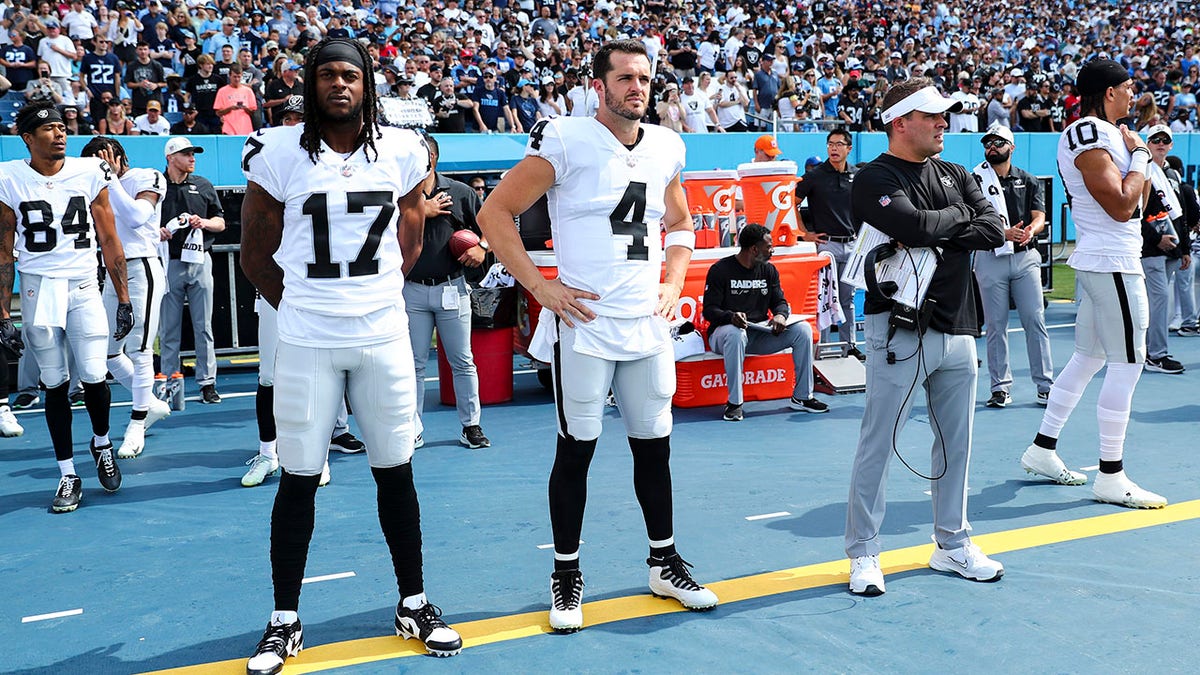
x: 1098, y: 75
x: 43, y: 116
x: 340, y: 49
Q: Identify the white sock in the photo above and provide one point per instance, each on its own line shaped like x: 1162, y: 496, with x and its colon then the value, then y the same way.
x: 67, y: 467
x: 1112, y: 410
x: 1066, y: 392
x: 414, y: 601
x: 100, y: 441
x: 267, y: 449
x: 284, y: 618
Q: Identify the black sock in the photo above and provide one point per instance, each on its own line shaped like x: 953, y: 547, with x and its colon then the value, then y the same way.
x: 652, y: 484
x: 264, y: 410
x: 97, y: 398
x: 58, y: 421
x: 400, y: 519
x: 568, y: 495
x: 138, y: 415
x: 1045, y: 442
x: 1112, y: 467
x: 291, y: 531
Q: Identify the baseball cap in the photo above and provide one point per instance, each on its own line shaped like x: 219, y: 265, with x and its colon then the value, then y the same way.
x: 189, y: 107
x: 179, y: 144
x: 292, y: 65
x: 294, y: 103
x: 154, y: 105
x: 269, y: 45
x: 926, y: 100
x: 895, y: 55
x: 1016, y: 72
x: 404, y: 79
x: 51, y: 23
x: 811, y: 162
x: 525, y: 81
x: 767, y: 145
x: 1160, y: 129
x: 999, y: 131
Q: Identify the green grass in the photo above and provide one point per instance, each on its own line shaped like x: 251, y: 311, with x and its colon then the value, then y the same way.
x: 1064, y: 282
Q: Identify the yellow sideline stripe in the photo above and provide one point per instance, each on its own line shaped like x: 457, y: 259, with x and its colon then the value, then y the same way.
x: 516, y: 626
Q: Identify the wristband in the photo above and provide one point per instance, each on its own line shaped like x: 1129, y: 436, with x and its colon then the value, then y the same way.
x: 684, y: 238
x: 1140, y: 161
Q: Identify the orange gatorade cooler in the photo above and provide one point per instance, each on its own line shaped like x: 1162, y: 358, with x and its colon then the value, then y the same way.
x: 712, y: 194
x: 769, y: 196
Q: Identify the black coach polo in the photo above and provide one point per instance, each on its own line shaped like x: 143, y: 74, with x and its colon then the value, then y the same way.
x: 1023, y: 194
x: 195, y: 195
x: 828, y: 193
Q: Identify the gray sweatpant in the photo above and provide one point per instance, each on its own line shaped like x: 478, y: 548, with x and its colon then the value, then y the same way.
x: 1017, y: 275
x: 947, y: 369
x: 735, y: 343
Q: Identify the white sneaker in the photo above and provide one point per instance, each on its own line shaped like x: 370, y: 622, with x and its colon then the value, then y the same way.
x: 9, y: 427
x: 566, y: 601
x: 968, y: 562
x: 669, y: 578
x: 866, y: 577
x: 324, y: 476
x: 158, y: 410
x: 135, y: 440
x: 1116, y: 488
x: 260, y: 468
x: 1046, y: 463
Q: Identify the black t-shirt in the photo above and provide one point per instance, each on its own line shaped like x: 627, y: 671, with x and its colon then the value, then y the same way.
x: 436, y: 261
x: 1033, y: 103
x: 136, y: 72
x: 731, y: 287
x: 453, y: 121
x: 828, y: 193
x: 750, y: 55
x: 204, y: 91
x: 685, y: 60
x: 1023, y: 194
x: 931, y: 203
x: 277, y: 88
x: 856, y: 110
x: 195, y: 195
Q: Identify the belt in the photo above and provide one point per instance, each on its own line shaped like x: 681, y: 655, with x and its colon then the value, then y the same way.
x: 436, y: 281
x: 840, y: 240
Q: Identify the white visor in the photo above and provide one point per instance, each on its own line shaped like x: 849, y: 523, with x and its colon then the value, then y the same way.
x: 927, y: 100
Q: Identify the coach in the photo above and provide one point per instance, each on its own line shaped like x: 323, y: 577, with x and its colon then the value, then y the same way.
x: 920, y: 201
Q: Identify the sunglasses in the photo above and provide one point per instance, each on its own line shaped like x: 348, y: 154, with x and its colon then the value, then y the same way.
x: 995, y: 143
x: 1160, y: 140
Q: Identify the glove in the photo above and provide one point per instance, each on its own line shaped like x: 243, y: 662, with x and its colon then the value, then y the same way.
x: 10, y: 338
x: 124, y: 320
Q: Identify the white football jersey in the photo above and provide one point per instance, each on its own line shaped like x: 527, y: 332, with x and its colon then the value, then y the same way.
x: 339, y: 252
x: 56, y: 236
x: 605, y: 207
x: 140, y: 240
x: 1102, y: 243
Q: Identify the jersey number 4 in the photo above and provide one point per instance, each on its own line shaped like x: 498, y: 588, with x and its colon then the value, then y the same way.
x: 38, y: 217
x: 629, y: 217
x: 316, y: 207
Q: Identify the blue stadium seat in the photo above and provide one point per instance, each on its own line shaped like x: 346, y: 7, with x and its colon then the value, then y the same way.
x: 10, y: 103
x: 173, y: 117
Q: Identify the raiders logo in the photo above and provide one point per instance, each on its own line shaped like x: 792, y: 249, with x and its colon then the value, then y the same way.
x: 946, y: 181
x: 43, y: 114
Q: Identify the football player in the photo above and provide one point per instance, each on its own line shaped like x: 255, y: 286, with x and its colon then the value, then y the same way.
x: 53, y: 212
x: 610, y: 180
x: 136, y: 202
x: 1104, y: 169
x: 331, y: 221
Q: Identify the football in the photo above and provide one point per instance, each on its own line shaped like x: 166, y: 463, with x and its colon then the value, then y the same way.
x: 462, y: 241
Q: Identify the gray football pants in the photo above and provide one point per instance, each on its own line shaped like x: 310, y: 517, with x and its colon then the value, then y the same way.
x: 947, y: 369
x: 194, y: 282
x: 841, y: 254
x: 735, y: 343
x: 1019, y: 276
x: 1160, y: 285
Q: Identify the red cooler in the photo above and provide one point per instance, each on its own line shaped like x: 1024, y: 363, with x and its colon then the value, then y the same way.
x: 493, y: 350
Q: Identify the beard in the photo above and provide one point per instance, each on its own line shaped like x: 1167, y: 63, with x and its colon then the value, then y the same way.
x: 996, y: 159
x: 353, y: 115
x: 620, y: 109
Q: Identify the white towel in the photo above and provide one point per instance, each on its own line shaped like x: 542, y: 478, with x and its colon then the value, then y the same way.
x: 52, y: 300
x: 995, y: 194
x: 193, y: 247
x: 1158, y: 178
x: 829, y: 309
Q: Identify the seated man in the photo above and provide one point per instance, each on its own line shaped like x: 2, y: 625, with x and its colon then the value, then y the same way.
x: 737, y: 294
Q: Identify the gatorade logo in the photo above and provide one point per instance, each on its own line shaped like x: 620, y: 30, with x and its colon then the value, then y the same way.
x: 722, y: 198
x: 750, y: 377
x: 781, y: 196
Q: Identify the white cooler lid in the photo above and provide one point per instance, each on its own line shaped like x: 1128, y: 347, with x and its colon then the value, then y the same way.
x: 767, y: 169
x: 715, y: 174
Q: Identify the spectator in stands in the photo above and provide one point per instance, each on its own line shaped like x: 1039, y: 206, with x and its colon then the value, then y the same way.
x: 162, y: 47
x: 550, y: 102
x: 174, y: 98
x: 152, y: 123
x: 80, y: 24
x: 252, y: 77
x: 115, y: 122
x: 747, y: 313
x: 998, y: 109
x: 223, y: 64
x: 765, y: 85
x: 699, y: 107
x: 966, y: 120
x: 101, y: 69
x: 479, y: 186
x: 234, y: 103
x: 74, y: 124
x: 731, y: 100
x: 852, y: 109
x: 449, y: 109
x: 45, y: 88
x: 226, y: 37
x: 124, y: 34
x: 490, y: 104
x: 281, y: 88
x: 525, y: 109
x: 145, y: 79
x: 671, y: 113
x: 190, y: 124
x: 189, y: 53
x: 19, y: 61
x: 59, y: 52
x: 203, y: 88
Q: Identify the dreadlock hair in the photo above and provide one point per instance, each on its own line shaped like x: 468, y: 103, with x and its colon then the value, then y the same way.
x: 98, y: 143
x: 310, y: 138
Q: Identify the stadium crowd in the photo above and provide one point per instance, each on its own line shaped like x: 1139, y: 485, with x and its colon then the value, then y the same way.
x: 144, y: 67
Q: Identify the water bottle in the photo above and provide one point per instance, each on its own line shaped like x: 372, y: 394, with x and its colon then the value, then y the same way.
x: 160, y: 387
x: 175, y: 392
